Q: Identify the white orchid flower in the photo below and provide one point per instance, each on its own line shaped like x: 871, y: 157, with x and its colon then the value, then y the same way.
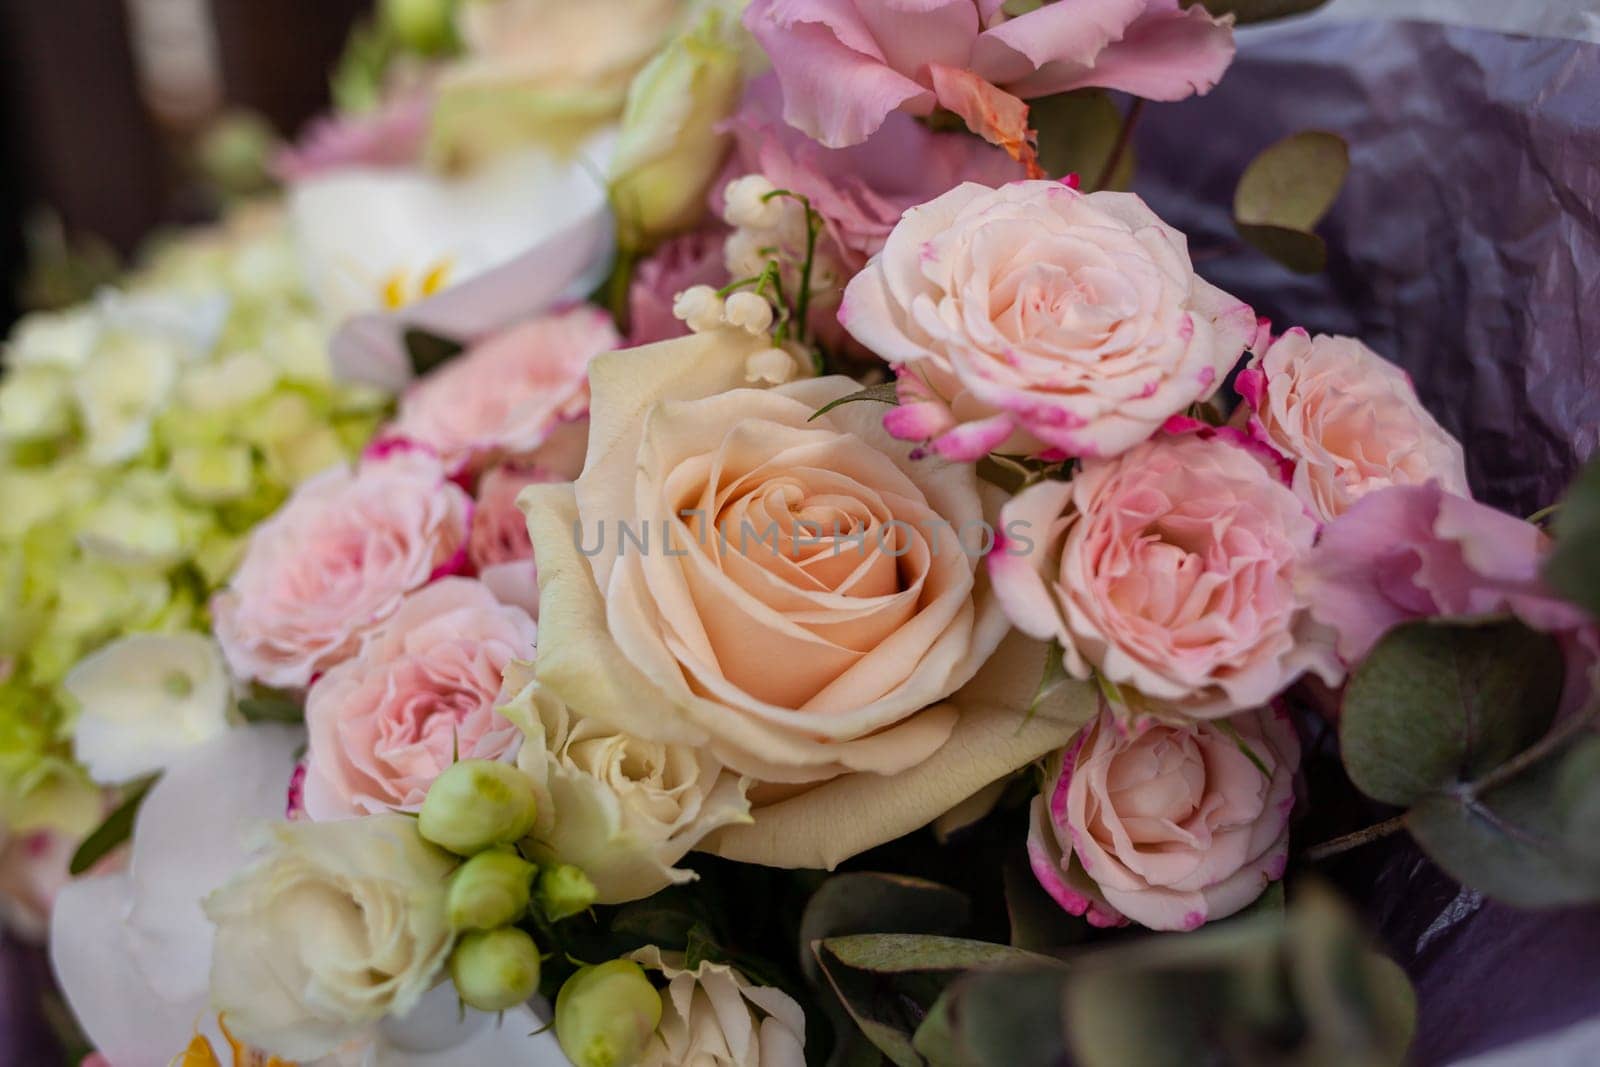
x: 146, y: 700
x: 132, y: 950
x: 385, y: 249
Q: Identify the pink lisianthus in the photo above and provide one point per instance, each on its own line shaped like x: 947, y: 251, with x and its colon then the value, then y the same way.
x: 1169, y: 826
x: 1170, y: 571
x: 691, y: 259
x: 420, y: 692
x: 392, y: 136
x: 861, y: 191
x: 335, y: 561
x: 1418, y: 551
x: 1348, y: 419
x: 1037, y: 319
x: 517, y: 395
x: 500, y: 549
x: 846, y: 65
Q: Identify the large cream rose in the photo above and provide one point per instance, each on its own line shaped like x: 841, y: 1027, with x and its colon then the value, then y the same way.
x: 623, y: 809
x: 748, y: 628
x: 334, y: 926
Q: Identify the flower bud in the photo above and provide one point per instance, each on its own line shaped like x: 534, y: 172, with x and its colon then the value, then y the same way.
x: 749, y: 312
x: 564, y: 891
x: 606, y: 1014
x: 699, y: 307
x: 489, y: 890
x: 425, y: 26
x: 477, y: 804
x: 495, y: 969
x: 750, y: 203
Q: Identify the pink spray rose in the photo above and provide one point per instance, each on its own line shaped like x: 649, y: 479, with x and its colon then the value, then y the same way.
x: 421, y: 691
x: 690, y: 259
x: 1169, y: 826
x: 1419, y: 551
x: 846, y: 65
x: 335, y: 561
x: 511, y: 396
x: 1034, y: 318
x: 1349, y: 419
x: 500, y: 549
x: 1170, y: 571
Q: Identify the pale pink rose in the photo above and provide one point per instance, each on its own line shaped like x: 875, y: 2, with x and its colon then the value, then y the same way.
x: 861, y: 191
x: 1037, y: 319
x: 1349, y: 419
x: 1169, y: 826
x: 691, y: 259
x: 1170, y: 571
x: 391, y: 136
x: 846, y: 65
x: 500, y: 549
x: 33, y: 869
x: 335, y: 561
x: 419, y: 694
x: 507, y: 397
x: 1418, y: 551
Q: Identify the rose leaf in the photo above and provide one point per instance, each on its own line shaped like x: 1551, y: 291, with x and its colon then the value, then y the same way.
x: 882, y: 393
x: 1574, y: 567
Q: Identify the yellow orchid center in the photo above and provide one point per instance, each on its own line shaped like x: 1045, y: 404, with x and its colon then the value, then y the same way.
x: 397, y: 290
x: 201, y: 1054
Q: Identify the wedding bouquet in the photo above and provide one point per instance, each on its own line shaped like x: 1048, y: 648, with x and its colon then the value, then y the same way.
x: 803, y: 455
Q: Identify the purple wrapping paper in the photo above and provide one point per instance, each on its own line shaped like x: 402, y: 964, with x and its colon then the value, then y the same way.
x: 1467, y: 248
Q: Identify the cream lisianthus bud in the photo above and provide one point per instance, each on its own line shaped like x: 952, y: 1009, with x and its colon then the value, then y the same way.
x: 477, y: 804
x: 489, y: 890
x: 495, y: 969
x: 606, y: 1014
x: 671, y: 146
x: 564, y: 891
x: 748, y: 311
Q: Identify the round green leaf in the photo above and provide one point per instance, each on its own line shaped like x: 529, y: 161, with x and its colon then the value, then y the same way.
x: 1257, y: 10
x: 1574, y: 566
x: 1078, y: 131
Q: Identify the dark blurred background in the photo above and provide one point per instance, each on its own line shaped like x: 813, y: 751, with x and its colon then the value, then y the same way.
x: 103, y: 101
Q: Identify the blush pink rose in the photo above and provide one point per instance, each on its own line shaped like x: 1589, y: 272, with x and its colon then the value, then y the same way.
x: 1034, y: 318
x: 1169, y: 826
x: 421, y: 692
x: 845, y: 65
x: 1418, y: 551
x: 335, y: 561
x: 509, y: 397
x: 1170, y: 571
x: 1349, y: 420
x: 861, y: 191
x: 500, y: 549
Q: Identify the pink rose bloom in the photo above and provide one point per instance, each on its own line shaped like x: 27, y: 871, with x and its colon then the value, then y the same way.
x: 1349, y: 419
x: 392, y: 136
x: 1034, y: 318
x: 1170, y: 571
x: 1418, y: 551
x: 33, y: 869
x: 511, y: 396
x: 1170, y: 826
x: 335, y: 561
x: 421, y: 691
x: 691, y: 259
x: 846, y: 65
x: 500, y: 549
x: 861, y: 191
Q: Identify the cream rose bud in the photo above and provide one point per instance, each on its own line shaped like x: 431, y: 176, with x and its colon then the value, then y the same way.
x: 621, y: 809
x: 809, y: 593
x: 1034, y: 318
x: 419, y: 695
x: 1348, y: 419
x: 335, y: 561
x: 348, y: 919
x: 1170, y: 572
x: 1169, y: 826
x: 713, y: 1014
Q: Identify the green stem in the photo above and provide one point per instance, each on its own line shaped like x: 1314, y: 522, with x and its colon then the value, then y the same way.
x: 1318, y: 853
x: 1120, y: 149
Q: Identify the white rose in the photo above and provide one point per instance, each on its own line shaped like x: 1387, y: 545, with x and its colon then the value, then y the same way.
x: 714, y: 1016
x: 348, y: 920
x: 621, y: 808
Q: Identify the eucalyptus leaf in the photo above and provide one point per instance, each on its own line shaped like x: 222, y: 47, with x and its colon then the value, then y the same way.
x: 1078, y: 131
x: 1286, y: 191
x: 1574, y: 566
x: 1001, y: 1018
x: 882, y: 393
x: 428, y: 350
x: 271, y: 707
x: 1578, y: 794
x: 1247, y: 11
x: 117, y: 828
x: 1300, y: 251
x: 1436, y: 704
x: 1038, y: 923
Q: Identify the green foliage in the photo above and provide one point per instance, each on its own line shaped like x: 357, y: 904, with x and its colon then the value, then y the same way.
x: 1574, y: 567
x: 1078, y: 134
x: 117, y: 828
x: 884, y: 393
x: 1286, y: 191
x: 1247, y: 11
x: 428, y: 350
